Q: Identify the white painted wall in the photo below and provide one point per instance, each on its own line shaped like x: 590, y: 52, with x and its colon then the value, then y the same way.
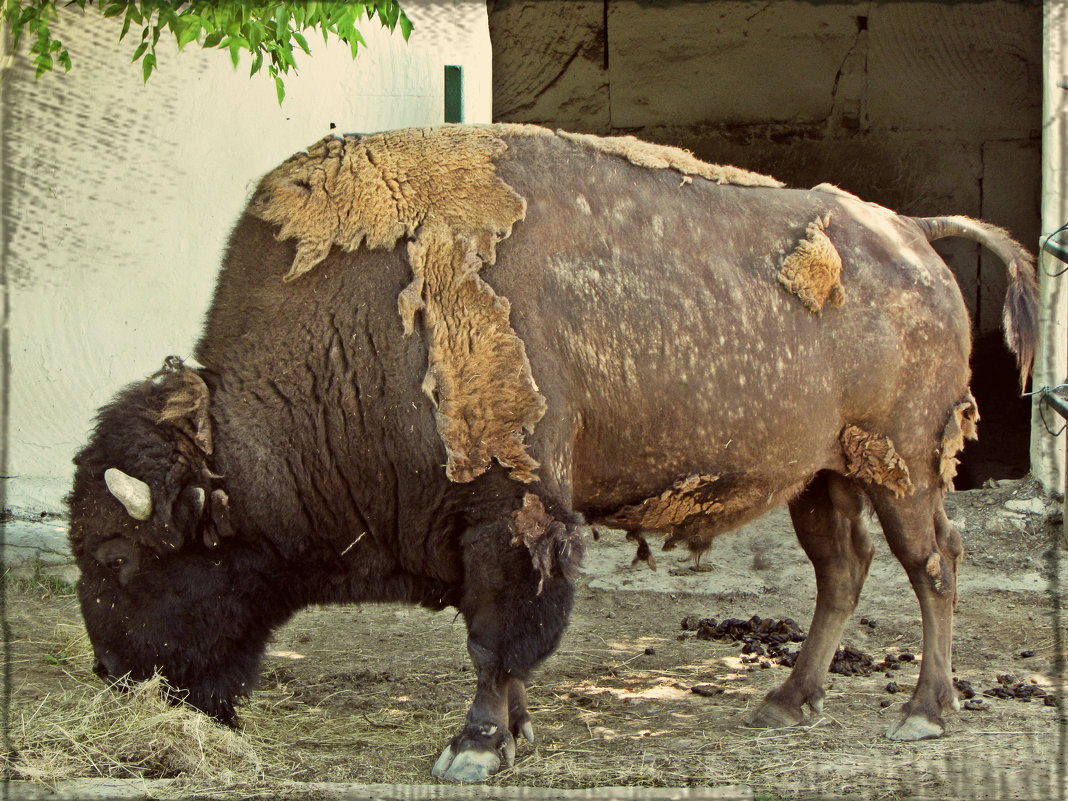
x: 118, y: 198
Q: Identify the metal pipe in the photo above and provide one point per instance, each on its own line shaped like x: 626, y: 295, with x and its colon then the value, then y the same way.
x: 1055, y: 402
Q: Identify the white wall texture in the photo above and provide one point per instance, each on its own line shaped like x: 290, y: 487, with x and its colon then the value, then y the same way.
x: 118, y: 197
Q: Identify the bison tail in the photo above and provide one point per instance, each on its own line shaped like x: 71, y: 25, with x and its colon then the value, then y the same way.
x: 1020, y: 315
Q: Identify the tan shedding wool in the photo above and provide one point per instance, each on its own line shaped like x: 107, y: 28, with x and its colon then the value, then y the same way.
x: 873, y: 458
x: 478, y: 373
x: 962, y: 425
x: 660, y: 157
x: 813, y: 271
x: 378, y: 188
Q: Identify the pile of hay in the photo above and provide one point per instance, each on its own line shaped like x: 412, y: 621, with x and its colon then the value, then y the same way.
x: 136, y: 733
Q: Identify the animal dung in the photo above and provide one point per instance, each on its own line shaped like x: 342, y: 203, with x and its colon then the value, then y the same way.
x: 964, y: 687
x: 707, y: 690
x: 761, y: 637
x: 813, y: 270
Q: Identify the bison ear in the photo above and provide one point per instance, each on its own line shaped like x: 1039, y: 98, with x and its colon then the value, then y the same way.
x: 131, y: 492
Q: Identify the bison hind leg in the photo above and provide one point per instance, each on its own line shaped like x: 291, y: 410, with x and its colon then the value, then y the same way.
x: 930, y: 549
x: 828, y: 518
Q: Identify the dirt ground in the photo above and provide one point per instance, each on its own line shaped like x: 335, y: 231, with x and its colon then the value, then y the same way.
x: 372, y: 693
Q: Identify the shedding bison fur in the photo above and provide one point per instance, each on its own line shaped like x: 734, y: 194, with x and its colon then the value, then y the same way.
x: 434, y: 354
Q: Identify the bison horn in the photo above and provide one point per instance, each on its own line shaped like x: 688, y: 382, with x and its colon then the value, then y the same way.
x: 131, y: 492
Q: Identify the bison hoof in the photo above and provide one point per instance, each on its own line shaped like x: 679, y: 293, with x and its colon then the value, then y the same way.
x: 772, y: 716
x: 467, y: 767
x: 915, y: 727
x: 474, y: 763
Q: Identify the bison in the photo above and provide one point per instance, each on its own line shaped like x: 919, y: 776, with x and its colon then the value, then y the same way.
x: 434, y: 354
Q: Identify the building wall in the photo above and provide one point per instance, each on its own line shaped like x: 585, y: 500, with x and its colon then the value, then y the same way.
x: 118, y: 198
x: 926, y: 107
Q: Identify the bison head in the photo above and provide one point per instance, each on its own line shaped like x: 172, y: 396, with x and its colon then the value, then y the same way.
x: 166, y: 582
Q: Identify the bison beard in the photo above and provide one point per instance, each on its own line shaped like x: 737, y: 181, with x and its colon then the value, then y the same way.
x: 433, y: 353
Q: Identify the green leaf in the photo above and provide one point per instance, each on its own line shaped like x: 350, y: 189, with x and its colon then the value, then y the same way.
x: 405, y: 26
x: 299, y: 37
x: 140, y: 51
x: 133, y: 14
x: 257, y: 62
x: 64, y: 59
x: 43, y: 63
x: 392, y: 12
x: 280, y: 89
x: 188, y: 33
x: 147, y: 65
x: 235, y: 50
x: 255, y: 35
x: 213, y: 39
x: 113, y: 9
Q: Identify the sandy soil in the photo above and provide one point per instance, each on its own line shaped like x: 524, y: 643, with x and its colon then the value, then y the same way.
x: 372, y: 693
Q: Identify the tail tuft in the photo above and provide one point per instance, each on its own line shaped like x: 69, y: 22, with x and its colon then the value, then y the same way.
x: 1019, y: 317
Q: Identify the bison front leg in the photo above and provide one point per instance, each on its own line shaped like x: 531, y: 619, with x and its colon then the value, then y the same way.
x: 828, y: 522
x: 515, y: 617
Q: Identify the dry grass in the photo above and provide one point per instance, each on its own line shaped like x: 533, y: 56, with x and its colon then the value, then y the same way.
x: 372, y: 694
x: 127, y: 732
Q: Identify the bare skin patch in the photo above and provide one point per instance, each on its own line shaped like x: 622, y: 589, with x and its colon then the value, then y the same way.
x: 962, y: 425
x: 478, y: 374
x: 375, y: 189
x: 813, y: 271
x: 554, y: 546
x: 660, y: 157
x: 873, y: 458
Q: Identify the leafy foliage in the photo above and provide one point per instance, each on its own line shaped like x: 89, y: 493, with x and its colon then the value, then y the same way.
x: 266, y: 30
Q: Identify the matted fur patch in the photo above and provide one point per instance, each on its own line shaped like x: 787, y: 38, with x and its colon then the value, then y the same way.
x: 873, y: 458
x: 962, y: 425
x: 554, y: 546
x: 380, y: 187
x: 686, y: 498
x: 813, y: 271
x: 660, y: 157
x: 187, y: 405
x: 478, y: 375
